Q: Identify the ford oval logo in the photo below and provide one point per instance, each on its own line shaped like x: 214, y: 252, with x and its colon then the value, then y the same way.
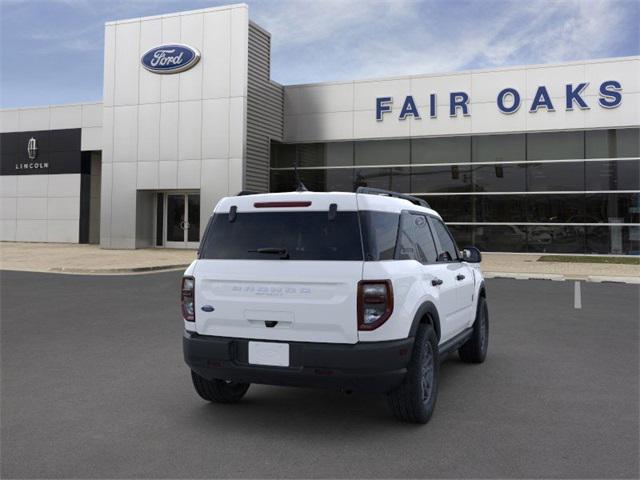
x: 173, y: 58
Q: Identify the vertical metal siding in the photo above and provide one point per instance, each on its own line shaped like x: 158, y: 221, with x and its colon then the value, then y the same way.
x: 265, y: 111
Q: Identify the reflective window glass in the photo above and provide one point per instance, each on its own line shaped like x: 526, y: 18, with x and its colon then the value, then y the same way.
x: 382, y: 152
x: 613, y: 143
x: 444, y: 178
x: 499, y: 148
x: 556, y: 239
x: 500, y: 238
x: 282, y: 155
x: 567, y: 208
x: 499, y: 178
x: 441, y: 150
x: 500, y: 208
x: 564, y: 176
x: 462, y: 234
x: 613, y: 240
x: 612, y: 208
x: 452, y: 208
x: 613, y: 175
x: 397, y: 179
x: 555, y: 145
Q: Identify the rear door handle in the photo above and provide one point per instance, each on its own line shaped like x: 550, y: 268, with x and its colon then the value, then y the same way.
x: 436, y: 281
x: 460, y: 277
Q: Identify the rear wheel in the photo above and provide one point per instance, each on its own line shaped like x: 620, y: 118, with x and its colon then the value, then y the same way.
x: 415, y: 399
x: 474, y: 350
x: 219, y: 391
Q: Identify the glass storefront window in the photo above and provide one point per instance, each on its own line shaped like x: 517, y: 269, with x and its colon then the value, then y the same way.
x: 612, y: 143
x: 445, y: 178
x: 555, y: 145
x: 613, y: 175
x: 556, y: 239
x: 441, y: 150
x: 555, y: 208
x: 397, y: 179
x: 612, y: 208
x: 462, y: 234
x: 499, y: 178
x: 613, y: 240
x: 500, y: 238
x: 499, y: 148
x: 549, y: 177
x: 339, y: 154
x: 496, y: 185
x: 452, y: 208
x: 382, y: 152
x: 500, y: 208
x: 282, y: 155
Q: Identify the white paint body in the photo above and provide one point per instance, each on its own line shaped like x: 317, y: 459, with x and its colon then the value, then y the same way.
x: 316, y: 301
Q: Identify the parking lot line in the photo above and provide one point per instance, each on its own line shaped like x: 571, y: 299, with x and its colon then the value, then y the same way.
x: 577, y: 296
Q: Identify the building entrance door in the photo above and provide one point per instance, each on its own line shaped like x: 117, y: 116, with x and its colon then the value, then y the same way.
x: 182, y: 220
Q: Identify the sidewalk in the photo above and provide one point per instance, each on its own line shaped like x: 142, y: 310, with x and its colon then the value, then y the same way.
x: 73, y: 258
x: 527, y: 266
x: 91, y: 259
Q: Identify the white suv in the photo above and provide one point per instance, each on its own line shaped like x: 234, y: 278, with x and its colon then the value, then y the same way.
x: 354, y: 291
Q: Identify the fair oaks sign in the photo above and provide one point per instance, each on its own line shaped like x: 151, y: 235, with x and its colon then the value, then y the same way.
x: 173, y: 58
x: 508, y: 101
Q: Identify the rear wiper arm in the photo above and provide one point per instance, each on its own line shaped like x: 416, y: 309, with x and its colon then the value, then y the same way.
x: 275, y: 250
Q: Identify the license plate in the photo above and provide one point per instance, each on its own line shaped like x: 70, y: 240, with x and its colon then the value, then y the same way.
x: 269, y: 353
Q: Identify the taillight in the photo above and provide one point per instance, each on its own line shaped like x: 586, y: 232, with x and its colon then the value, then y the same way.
x: 187, y: 299
x: 375, y: 303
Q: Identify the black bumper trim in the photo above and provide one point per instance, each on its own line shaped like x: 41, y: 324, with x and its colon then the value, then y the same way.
x: 370, y: 366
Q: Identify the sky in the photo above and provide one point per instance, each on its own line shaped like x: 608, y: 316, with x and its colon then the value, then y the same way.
x: 51, y: 51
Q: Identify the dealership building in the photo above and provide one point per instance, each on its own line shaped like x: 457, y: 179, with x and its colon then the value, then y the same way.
x: 541, y: 158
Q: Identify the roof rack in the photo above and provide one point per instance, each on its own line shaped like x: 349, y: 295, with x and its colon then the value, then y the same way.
x: 389, y: 193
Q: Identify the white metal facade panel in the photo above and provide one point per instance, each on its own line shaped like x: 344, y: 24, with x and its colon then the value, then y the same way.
x: 164, y: 127
x: 323, y: 112
x: 40, y: 208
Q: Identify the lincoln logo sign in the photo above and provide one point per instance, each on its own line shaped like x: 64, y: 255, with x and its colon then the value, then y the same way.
x: 32, y: 154
x: 172, y: 58
x: 508, y: 100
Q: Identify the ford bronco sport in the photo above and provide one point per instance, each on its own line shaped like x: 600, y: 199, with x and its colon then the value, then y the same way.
x: 358, y: 291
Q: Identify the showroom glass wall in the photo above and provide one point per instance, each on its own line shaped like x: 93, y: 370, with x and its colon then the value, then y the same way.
x: 563, y: 192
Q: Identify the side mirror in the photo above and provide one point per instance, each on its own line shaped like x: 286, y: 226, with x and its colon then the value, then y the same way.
x: 471, y: 255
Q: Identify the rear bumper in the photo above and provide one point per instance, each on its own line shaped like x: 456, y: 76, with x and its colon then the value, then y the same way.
x: 371, y: 367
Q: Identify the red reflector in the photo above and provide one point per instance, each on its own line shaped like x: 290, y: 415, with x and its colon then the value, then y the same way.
x: 280, y: 204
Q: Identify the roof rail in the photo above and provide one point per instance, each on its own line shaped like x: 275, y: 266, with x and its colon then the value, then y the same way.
x: 247, y: 192
x: 389, y: 193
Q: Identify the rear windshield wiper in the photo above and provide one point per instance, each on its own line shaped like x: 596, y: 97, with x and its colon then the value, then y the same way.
x: 284, y: 255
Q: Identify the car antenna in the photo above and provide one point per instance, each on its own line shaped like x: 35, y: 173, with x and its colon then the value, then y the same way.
x: 301, y: 187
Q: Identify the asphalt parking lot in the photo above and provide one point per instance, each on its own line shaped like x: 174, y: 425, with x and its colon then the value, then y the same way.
x: 94, y: 386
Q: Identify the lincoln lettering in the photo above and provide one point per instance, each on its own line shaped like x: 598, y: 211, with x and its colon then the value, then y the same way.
x: 508, y: 101
x: 160, y: 58
x: 31, y: 165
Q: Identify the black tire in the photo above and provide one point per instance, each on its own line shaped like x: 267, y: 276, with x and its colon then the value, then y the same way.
x: 219, y: 391
x: 415, y: 399
x: 474, y: 350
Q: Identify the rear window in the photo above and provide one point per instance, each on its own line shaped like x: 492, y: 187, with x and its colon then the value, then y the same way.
x: 278, y: 235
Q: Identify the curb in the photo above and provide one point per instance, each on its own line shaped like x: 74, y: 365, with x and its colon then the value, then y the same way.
x: 561, y: 278
x: 154, y: 268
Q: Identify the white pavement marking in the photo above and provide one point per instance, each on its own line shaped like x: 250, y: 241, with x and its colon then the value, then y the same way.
x: 577, y: 296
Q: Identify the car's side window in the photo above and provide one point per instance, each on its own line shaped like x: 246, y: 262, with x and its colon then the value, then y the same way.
x: 448, y: 248
x: 415, y: 241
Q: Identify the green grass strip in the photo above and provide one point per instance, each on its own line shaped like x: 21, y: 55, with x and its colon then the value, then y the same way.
x: 631, y: 260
